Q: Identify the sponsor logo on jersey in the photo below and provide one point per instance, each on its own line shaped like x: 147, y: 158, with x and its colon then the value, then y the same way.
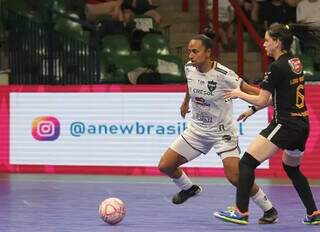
x: 204, y: 118
x: 212, y: 85
x: 201, y: 101
x: 295, y: 65
x: 202, y: 92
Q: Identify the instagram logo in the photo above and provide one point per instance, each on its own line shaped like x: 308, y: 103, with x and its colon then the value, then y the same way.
x: 45, y: 128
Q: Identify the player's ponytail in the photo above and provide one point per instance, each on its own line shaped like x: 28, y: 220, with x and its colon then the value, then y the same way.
x: 206, y: 38
x: 209, y: 33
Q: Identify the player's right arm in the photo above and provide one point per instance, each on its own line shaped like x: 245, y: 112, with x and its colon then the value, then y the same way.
x: 184, y: 108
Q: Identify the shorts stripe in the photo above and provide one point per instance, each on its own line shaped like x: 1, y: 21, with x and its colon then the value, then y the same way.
x: 237, y: 147
x: 275, y: 130
x: 191, y: 145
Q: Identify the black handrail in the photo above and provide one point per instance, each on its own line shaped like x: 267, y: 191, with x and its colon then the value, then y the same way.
x: 41, y: 54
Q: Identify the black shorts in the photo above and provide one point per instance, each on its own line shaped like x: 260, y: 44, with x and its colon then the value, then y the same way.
x: 285, y: 137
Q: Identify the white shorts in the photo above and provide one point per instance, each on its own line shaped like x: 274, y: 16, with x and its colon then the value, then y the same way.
x: 190, y: 145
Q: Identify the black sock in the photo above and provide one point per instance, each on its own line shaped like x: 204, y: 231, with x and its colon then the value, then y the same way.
x: 302, y: 186
x: 247, y: 165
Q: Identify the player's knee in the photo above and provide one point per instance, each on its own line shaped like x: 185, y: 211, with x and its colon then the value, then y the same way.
x: 292, y: 172
x: 162, y: 167
x: 248, y: 161
x: 165, y: 168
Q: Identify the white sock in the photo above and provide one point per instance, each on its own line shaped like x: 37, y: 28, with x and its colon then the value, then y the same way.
x: 183, y: 182
x: 262, y: 201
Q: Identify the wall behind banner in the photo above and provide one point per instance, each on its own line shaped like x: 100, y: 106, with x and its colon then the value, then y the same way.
x: 111, y: 129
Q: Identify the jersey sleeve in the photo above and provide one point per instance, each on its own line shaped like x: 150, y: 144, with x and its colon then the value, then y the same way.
x: 187, y: 68
x: 232, y: 80
x: 271, y: 79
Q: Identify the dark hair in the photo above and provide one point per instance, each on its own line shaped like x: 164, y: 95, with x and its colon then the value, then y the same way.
x: 282, y: 33
x: 308, y: 33
x: 206, y: 38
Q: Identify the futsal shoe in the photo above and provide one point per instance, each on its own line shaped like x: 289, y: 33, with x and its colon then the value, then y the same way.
x: 184, y: 195
x: 233, y: 215
x: 313, y: 219
x: 269, y: 217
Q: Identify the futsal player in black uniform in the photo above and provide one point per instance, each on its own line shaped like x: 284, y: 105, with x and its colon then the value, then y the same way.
x: 288, y: 130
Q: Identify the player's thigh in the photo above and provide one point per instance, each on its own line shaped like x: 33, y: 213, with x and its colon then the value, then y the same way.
x: 191, y: 145
x: 226, y: 146
x: 262, y: 149
x: 171, y: 159
x: 185, y: 148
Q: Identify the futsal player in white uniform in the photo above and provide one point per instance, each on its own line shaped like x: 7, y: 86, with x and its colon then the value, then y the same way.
x: 211, y: 125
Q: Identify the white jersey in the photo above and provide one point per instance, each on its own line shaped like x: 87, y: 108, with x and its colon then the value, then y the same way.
x: 211, y: 113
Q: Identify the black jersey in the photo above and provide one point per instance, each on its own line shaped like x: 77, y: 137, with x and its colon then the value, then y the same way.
x: 285, y: 81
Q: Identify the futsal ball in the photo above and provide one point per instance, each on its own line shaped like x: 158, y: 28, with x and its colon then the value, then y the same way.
x: 112, y: 210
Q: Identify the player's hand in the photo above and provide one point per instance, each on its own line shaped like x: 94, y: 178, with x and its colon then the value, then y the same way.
x: 232, y: 93
x: 243, y: 117
x: 184, y: 109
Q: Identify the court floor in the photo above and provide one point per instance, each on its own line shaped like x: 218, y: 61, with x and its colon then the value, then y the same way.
x: 69, y: 203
